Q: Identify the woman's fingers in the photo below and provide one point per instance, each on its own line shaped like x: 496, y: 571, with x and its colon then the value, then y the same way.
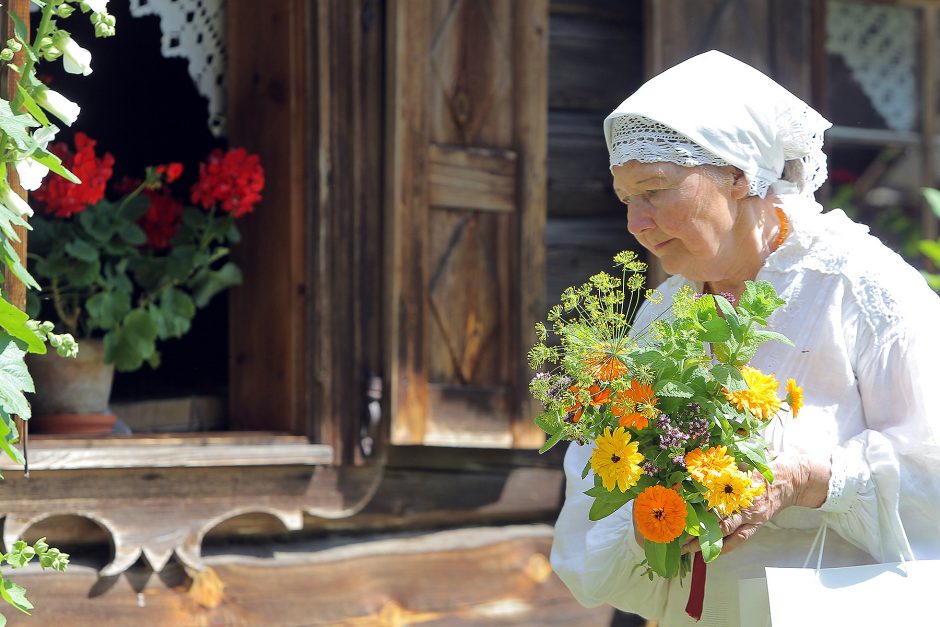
x: 738, y: 537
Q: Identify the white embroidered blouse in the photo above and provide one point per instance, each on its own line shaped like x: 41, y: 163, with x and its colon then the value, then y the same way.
x: 866, y: 334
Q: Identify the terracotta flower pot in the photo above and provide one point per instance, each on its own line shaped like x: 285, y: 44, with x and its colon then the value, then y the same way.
x: 72, y: 395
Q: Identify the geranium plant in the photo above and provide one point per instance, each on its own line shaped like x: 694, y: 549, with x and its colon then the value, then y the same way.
x: 127, y: 260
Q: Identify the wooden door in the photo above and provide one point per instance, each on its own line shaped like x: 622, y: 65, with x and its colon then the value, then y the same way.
x: 466, y: 138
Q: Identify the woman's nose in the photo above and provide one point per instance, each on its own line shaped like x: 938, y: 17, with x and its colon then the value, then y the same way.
x: 639, y: 218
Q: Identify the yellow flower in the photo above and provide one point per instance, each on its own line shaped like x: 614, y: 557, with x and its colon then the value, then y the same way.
x: 616, y: 459
x: 731, y: 491
x: 794, y: 397
x: 760, y: 398
x: 703, y: 464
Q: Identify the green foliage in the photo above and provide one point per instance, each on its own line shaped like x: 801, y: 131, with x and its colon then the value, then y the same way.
x: 103, y: 281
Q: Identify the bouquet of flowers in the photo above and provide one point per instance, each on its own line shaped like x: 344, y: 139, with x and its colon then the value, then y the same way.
x: 128, y: 260
x: 673, y: 410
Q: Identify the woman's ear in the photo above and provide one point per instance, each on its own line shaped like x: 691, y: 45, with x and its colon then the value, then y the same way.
x: 739, y: 184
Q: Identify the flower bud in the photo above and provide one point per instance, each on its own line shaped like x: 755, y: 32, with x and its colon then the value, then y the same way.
x: 6, y: 54
x: 51, y: 53
x: 58, y: 105
x: 12, y: 201
x: 103, y: 30
x: 14, y: 45
x: 75, y: 59
x: 98, y: 6
x: 45, y: 42
x: 64, y: 10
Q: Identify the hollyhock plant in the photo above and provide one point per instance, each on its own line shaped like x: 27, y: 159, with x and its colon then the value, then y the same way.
x: 128, y: 260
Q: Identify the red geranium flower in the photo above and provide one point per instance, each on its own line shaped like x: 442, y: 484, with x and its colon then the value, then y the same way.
x: 162, y: 220
x: 233, y: 180
x: 172, y: 171
x: 64, y: 199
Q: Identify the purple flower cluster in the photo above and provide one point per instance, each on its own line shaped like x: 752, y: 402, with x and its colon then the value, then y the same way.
x: 698, y: 429
x: 672, y: 436
x: 650, y: 468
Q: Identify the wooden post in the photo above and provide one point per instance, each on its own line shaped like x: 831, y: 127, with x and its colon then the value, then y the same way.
x: 13, y: 289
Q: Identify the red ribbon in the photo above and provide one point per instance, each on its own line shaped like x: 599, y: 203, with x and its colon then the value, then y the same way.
x: 697, y: 589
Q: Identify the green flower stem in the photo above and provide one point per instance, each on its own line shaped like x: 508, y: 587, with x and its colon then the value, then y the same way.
x: 41, y: 31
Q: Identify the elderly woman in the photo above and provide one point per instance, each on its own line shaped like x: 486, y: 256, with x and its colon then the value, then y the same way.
x: 717, y: 165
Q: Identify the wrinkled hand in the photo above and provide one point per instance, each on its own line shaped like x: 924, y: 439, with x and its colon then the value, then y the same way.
x: 798, y: 480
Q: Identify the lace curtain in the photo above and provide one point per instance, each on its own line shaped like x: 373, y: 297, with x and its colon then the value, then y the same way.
x: 879, y: 46
x: 195, y: 31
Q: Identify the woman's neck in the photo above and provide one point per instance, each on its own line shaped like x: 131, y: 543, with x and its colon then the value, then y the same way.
x: 756, y: 236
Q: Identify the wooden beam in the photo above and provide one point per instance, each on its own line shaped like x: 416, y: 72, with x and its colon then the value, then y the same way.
x: 928, y: 108
x: 472, y: 178
x: 268, y: 114
x: 489, y: 576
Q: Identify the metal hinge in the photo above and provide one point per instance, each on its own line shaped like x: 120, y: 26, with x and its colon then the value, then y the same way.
x: 372, y: 417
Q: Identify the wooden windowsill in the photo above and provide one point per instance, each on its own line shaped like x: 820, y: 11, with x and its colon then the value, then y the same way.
x: 171, y: 451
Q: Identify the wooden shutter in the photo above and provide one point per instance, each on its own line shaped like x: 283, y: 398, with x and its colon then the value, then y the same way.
x: 467, y: 89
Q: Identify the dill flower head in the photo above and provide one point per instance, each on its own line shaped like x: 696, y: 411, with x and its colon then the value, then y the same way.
x: 616, y: 459
x: 794, y: 397
x: 660, y: 514
x: 704, y: 464
x: 760, y: 398
x: 731, y: 491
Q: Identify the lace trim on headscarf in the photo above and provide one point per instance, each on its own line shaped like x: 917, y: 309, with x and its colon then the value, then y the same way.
x: 637, y: 138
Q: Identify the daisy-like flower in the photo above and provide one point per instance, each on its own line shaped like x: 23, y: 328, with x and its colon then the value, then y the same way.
x: 794, y: 397
x: 760, y: 397
x: 616, y: 459
x: 731, y: 491
x: 631, y: 419
x: 640, y: 393
x: 711, y: 462
x: 598, y: 397
x: 660, y: 514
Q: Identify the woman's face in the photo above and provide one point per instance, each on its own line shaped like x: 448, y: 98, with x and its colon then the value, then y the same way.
x: 684, y: 216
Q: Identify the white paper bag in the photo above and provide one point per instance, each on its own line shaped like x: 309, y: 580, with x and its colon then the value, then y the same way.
x: 903, y: 593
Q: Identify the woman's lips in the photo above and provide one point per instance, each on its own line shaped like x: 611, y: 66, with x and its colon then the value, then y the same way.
x: 660, y: 245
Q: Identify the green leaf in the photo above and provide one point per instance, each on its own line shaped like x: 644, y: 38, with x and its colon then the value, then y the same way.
x: 14, y: 378
x: 54, y: 164
x: 8, y: 436
x: 710, y: 538
x: 716, y: 330
x: 757, y: 455
x: 12, y: 261
x: 13, y: 321
x: 16, y: 126
x: 931, y: 249
x: 20, y: 554
x: 133, y: 235
x: 674, y: 389
x: 132, y: 342
x: 552, y: 441
x: 664, y: 558
x: 31, y: 106
x: 15, y: 595
x: 607, y: 505
x: 759, y: 336
x: 212, y: 282
x: 759, y: 299
x: 692, y: 524
x: 181, y: 261
x: 82, y: 250
x: 107, y: 309
x: 586, y: 470
x: 729, y: 377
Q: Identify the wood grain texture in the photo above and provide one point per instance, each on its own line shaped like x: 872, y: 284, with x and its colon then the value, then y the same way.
x: 268, y: 114
x: 488, y: 576
x: 347, y: 254
x: 467, y: 135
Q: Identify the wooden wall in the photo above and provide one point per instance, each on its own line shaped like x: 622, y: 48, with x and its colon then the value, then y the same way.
x: 595, y: 60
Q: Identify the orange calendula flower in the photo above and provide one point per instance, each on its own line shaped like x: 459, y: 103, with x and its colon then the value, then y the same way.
x: 704, y: 464
x: 760, y: 398
x: 731, y: 491
x: 632, y: 419
x: 794, y: 397
x: 640, y: 393
x: 616, y: 459
x: 660, y: 514
x: 598, y: 397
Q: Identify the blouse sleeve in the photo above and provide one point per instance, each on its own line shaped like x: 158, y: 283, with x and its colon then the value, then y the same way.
x: 597, y: 560
x: 885, y: 481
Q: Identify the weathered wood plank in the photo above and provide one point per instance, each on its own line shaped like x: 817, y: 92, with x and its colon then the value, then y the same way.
x: 347, y: 259
x: 407, y: 318
x: 530, y: 78
x: 176, y: 456
x: 192, y: 413
x: 467, y: 177
x: 268, y: 361
x: 579, y: 182
x: 462, y: 577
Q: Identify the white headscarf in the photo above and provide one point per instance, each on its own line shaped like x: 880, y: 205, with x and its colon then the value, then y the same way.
x: 715, y: 109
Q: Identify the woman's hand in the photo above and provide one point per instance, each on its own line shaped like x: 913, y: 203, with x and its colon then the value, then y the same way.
x: 798, y: 480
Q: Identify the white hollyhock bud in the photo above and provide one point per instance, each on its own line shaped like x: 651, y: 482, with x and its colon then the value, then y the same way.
x: 75, y: 59
x: 13, y: 202
x: 58, y: 105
